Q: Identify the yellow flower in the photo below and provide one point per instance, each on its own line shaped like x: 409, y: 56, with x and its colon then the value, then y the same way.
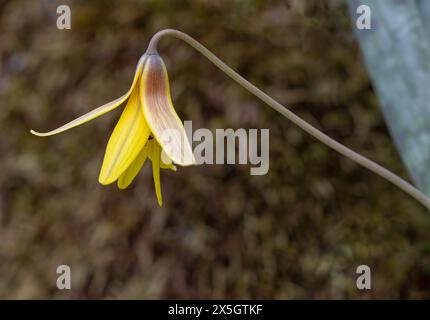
x: 148, y: 128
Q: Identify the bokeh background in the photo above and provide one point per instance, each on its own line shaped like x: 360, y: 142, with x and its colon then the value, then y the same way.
x: 298, y: 232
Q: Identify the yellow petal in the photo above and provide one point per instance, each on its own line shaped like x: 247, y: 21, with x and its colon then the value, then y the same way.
x: 127, y: 177
x: 163, y: 165
x: 126, y: 141
x: 155, y: 156
x: 160, y: 114
x: 98, y: 111
x: 167, y: 166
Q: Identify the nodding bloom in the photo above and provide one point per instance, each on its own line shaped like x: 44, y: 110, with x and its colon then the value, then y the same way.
x: 148, y: 128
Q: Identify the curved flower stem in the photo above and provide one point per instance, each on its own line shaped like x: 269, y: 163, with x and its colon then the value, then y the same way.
x: 367, y: 163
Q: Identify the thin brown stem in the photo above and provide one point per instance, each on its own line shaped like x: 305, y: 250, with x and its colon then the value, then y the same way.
x: 354, y: 156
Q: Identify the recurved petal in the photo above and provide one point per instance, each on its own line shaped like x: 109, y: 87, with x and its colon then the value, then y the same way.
x: 127, y: 177
x: 160, y: 114
x: 166, y: 162
x: 98, y: 111
x: 127, y: 140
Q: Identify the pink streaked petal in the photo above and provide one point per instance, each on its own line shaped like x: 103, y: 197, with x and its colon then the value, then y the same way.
x: 160, y: 114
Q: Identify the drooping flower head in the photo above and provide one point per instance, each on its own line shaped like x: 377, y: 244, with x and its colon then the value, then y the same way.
x: 148, y: 128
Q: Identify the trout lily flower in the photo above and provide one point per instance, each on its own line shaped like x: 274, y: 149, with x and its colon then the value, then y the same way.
x: 148, y: 128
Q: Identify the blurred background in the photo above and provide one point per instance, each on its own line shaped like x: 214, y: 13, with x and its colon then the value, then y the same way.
x: 298, y: 232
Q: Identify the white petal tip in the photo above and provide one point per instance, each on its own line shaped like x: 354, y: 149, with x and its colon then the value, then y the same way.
x: 193, y: 162
x: 44, y: 134
x: 39, y: 134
